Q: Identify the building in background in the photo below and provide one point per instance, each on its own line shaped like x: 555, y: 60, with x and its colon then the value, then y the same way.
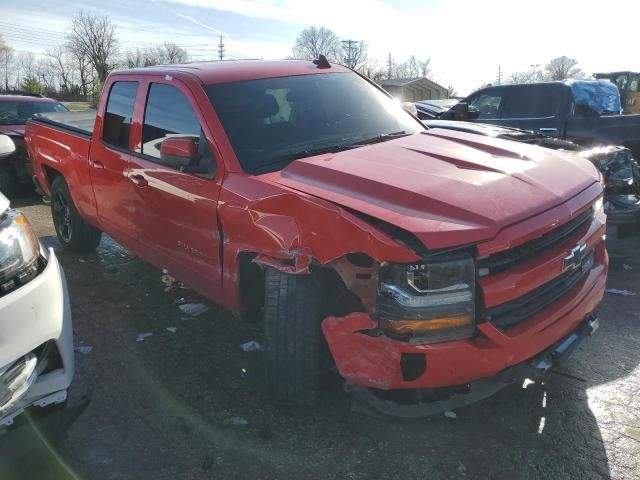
x: 414, y: 89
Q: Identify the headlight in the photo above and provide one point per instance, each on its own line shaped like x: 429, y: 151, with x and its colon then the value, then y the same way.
x: 428, y: 302
x: 19, y: 251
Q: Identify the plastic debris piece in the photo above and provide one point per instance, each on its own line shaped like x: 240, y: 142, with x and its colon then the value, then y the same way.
x: 83, y: 349
x: 193, y: 309
x: 617, y: 291
x: 81, y: 260
x: 450, y: 414
x: 179, y: 301
x: 251, y: 346
x: 171, y: 329
x: 141, y: 336
x: 235, y: 420
x: 627, y: 267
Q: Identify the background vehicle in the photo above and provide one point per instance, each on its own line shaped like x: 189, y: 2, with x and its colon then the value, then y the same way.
x: 585, y: 112
x: 15, y: 110
x: 620, y: 170
x: 303, y: 191
x: 628, y: 84
x: 434, y: 108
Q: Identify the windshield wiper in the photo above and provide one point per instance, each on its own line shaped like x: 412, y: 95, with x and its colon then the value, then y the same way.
x: 383, y: 137
x: 302, y: 154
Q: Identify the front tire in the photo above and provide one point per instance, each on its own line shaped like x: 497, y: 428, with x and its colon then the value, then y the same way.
x: 293, y: 335
x: 73, y: 232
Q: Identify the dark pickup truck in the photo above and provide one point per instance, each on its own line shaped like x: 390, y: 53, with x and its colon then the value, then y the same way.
x: 586, y: 112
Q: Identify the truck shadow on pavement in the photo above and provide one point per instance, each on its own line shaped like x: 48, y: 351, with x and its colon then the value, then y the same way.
x: 176, y: 404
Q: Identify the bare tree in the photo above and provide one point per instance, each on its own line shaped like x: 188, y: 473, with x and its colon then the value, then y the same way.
x: 173, y: 53
x: 314, y: 41
x: 167, y: 53
x: 354, y: 54
x: 6, y: 62
x: 94, y: 37
x: 451, y: 92
x: 372, y: 70
x: 561, y: 68
x: 63, y: 64
x: 413, y: 68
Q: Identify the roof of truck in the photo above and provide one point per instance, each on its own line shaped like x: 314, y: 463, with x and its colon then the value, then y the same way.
x: 237, y: 70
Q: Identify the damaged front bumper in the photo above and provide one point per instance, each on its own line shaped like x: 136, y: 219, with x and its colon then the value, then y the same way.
x: 483, y: 388
x: 372, y: 363
x: 36, y: 344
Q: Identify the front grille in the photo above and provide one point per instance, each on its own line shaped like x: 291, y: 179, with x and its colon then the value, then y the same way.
x: 501, y: 261
x: 511, y: 313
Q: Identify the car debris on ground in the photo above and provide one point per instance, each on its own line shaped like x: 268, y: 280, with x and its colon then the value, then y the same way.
x: 617, y: 291
x: 193, y: 309
x: 251, y: 346
x: 142, y: 336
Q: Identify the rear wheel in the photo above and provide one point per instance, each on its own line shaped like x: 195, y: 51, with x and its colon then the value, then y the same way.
x: 293, y: 335
x: 73, y: 232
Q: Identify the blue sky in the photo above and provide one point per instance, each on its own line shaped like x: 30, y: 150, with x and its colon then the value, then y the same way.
x: 466, y: 40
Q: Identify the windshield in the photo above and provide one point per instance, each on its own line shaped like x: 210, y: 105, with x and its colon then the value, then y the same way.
x: 273, y: 121
x: 17, y: 113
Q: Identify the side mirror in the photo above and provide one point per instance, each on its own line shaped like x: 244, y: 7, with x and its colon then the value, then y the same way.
x: 7, y: 147
x: 178, y: 152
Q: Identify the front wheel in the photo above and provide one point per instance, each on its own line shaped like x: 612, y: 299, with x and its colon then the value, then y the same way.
x: 73, y: 232
x: 293, y: 335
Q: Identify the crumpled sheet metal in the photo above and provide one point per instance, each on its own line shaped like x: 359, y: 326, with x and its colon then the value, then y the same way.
x: 289, y: 231
x: 368, y: 361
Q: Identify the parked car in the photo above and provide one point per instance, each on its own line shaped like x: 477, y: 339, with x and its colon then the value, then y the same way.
x: 619, y: 168
x: 15, y: 110
x: 427, y: 109
x: 36, y: 344
x: 585, y: 112
x: 434, y: 264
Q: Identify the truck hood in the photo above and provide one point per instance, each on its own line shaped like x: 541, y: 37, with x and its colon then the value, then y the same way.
x: 447, y: 188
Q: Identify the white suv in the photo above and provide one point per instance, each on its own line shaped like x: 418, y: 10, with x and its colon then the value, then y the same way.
x: 36, y: 335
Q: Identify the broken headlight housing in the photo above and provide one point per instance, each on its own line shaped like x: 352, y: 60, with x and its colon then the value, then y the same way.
x: 19, y: 251
x: 428, y: 302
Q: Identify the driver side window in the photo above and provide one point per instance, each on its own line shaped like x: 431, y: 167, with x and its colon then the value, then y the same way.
x: 485, y: 106
x: 168, y: 114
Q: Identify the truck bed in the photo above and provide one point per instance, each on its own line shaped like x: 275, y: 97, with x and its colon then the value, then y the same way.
x: 78, y: 122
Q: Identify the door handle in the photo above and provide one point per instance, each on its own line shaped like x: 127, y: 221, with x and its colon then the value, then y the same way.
x: 138, y: 180
x: 96, y: 164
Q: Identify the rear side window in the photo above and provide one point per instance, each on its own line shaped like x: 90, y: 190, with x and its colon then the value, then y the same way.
x: 532, y: 102
x: 168, y: 114
x: 119, y: 114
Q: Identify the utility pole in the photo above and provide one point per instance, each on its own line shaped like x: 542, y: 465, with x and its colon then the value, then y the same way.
x: 348, y: 44
x: 499, y: 77
x: 220, y: 49
x: 390, y: 63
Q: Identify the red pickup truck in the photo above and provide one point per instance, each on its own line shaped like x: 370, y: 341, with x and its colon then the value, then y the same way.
x: 435, y: 264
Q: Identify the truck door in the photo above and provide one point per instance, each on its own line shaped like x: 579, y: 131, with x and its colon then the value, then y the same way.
x: 176, y: 205
x: 536, y: 107
x: 109, y: 158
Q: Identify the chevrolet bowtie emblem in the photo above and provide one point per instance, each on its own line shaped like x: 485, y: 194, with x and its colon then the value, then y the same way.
x: 574, y: 259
